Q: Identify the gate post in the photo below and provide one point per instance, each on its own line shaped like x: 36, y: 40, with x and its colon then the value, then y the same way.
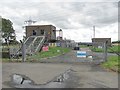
x: 105, y: 51
x: 23, y: 52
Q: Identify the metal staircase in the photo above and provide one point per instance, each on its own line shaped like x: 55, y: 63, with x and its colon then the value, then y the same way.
x: 28, y: 41
x: 34, y: 44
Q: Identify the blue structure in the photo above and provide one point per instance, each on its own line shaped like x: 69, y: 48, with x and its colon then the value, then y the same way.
x: 81, y: 54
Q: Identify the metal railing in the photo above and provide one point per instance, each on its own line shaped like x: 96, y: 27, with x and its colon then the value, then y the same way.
x: 34, y: 43
x: 42, y: 39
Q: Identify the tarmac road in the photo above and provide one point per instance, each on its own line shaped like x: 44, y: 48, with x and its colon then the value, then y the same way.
x: 83, y: 75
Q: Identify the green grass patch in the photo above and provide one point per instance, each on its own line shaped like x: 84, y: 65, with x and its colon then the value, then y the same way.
x: 83, y: 46
x: 10, y: 46
x: 0, y: 59
x: 94, y: 49
x: 6, y: 48
x: 113, y: 49
x: 10, y: 60
x: 112, y: 63
x: 53, y: 51
x: 5, y: 59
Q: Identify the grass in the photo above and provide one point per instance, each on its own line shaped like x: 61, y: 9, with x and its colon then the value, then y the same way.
x: 112, y: 63
x: 5, y: 59
x: 0, y: 59
x: 83, y: 46
x: 53, y: 51
x: 112, y: 49
x: 10, y: 60
x: 94, y: 49
x: 10, y: 46
x: 5, y: 47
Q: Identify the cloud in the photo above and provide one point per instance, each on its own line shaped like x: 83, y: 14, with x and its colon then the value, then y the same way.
x: 69, y: 16
x: 99, y: 14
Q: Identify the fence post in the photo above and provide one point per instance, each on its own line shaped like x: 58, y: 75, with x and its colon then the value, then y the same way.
x: 23, y: 52
x: 105, y: 51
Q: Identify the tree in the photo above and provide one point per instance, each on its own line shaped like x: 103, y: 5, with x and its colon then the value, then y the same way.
x: 8, y: 33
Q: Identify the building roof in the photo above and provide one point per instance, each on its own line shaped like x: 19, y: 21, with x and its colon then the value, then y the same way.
x: 39, y: 25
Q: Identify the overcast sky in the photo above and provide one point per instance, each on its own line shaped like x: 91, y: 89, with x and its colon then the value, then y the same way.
x: 76, y: 19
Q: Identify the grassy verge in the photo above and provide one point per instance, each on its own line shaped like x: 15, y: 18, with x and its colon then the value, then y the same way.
x: 5, y: 53
x: 10, y: 60
x: 96, y: 49
x: 83, y: 46
x: 53, y: 51
x: 0, y: 59
x: 112, y: 49
x: 112, y: 63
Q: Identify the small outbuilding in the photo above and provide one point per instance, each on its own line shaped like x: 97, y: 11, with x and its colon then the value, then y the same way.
x: 49, y: 31
x: 98, y: 42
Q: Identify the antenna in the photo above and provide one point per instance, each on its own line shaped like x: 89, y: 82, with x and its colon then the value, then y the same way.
x: 29, y: 22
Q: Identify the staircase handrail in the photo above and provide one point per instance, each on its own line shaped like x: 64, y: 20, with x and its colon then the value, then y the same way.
x: 40, y: 44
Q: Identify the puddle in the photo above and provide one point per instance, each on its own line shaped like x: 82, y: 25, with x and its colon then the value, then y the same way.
x: 64, y: 80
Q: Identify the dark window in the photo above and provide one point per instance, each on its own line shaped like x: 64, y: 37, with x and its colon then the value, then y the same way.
x: 34, y: 32
x: 42, y: 32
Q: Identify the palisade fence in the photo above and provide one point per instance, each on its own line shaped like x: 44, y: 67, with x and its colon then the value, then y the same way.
x: 31, y: 46
x: 10, y: 51
x: 102, y: 48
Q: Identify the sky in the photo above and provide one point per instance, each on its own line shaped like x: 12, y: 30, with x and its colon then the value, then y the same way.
x: 75, y: 17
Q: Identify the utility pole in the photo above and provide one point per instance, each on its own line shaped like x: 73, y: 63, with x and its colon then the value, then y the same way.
x: 94, y: 36
x: 93, y: 31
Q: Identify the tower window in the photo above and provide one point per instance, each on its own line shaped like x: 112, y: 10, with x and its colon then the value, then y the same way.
x: 34, y: 32
x: 42, y: 32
